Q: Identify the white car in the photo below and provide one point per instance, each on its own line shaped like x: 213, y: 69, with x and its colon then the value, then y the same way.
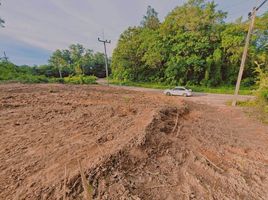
x: 179, y: 91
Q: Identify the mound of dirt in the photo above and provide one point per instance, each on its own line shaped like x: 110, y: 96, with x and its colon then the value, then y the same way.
x: 181, y: 156
x: 131, y: 145
x: 45, y: 129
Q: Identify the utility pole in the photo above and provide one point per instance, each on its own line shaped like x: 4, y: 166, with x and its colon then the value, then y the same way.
x: 251, y: 15
x: 106, y: 58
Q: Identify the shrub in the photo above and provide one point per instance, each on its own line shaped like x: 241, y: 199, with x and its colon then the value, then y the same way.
x: 27, y: 78
x: 248, y: 82
x: 73, y: 80
x: 89, y: 79
x: 56, y: 80
x: 80, y: 79
x: 262, y: 91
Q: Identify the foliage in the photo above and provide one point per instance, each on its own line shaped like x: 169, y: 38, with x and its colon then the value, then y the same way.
x: 28, y: 78
x: 58, y: 59
x: 260, y: 104
x: 262, y: 91
x: 76, y: 60
x: 25, y: 74
x: 8, y: 71
x: 217, y: 90
x: 150, y: 20
x: 80, y: 79
x: 192, y: 46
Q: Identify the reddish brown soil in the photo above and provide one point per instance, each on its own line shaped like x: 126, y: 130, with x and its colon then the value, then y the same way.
x: 132, y: 145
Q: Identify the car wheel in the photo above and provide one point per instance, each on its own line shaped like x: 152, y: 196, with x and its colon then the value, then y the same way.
x: 185, y: 95
x: 168, y: 94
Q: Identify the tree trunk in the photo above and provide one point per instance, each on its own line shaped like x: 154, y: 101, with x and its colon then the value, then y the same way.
x: 60, y: 73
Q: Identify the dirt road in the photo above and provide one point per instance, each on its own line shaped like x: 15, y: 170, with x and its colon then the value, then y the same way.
x: 132, y: 145
x: 198, y: 97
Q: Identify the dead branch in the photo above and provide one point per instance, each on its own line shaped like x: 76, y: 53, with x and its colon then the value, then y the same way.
x: 86, y: 186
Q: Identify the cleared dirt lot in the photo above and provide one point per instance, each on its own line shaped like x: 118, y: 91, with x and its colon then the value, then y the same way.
x: 132, y: 145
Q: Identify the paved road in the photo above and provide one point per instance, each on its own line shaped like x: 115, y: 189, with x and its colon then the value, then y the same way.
x: 205, y: 98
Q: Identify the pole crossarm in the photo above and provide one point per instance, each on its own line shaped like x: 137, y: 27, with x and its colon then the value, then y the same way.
x: 105, y: 41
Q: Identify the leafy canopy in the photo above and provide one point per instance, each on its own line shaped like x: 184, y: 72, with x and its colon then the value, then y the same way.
x: 193, y: 45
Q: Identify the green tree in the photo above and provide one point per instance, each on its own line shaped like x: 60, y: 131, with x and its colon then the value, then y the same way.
x: 190, y: 34
x: 152, y: 55
x: 75, y: 60
x: 193, y: 45
x: 150, y: 20
x: 98, y: 67
x: 126, y: 62
x: 76, y: 54
x: 262, y: 83
x: 58, y: 60
x: 216, y: 71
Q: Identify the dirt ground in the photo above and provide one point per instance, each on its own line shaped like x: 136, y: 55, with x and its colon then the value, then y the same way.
x: 131, y: 145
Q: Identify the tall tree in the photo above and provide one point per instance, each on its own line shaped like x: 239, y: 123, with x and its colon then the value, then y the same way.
x: 193, y: 45
x: 76, y: 53
x: 126, y: 62
x: 150, y: 20
x: 190, y: 34
x: 76, y: 60
x: 58, y: 60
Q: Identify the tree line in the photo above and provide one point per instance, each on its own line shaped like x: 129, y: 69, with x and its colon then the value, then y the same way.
x: 71, y: 62
x: 77, y: 60
x: 194, y: 45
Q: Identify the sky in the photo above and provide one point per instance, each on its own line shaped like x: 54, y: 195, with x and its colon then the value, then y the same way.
x: 36, y: 28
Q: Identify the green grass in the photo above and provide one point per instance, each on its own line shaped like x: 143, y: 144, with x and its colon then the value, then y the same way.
x: 216, y: 90
x: 25, y: 78
x: 28, y: 78
x: 254, y: 109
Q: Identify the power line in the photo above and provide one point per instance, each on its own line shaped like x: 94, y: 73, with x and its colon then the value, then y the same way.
x: 261, y: 5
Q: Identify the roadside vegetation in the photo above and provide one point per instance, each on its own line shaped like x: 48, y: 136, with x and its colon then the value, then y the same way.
x: 262, y: 91
x: 258, y: 108
x: 261, y: 102
x: 75, y: 65
x: 194, y: 46
x: 195, y: 88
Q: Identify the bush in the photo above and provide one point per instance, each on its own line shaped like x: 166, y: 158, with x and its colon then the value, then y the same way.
x: 262, y: 91
x: 80, y: 79
x: 27, y: 78
x: 56, y: 80
x: 248, y: 82
x: 263, y: 95
x: 73, y: 80
x: 89, y: 79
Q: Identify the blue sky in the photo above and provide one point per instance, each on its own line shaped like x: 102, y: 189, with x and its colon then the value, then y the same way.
x: 35, y: 28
